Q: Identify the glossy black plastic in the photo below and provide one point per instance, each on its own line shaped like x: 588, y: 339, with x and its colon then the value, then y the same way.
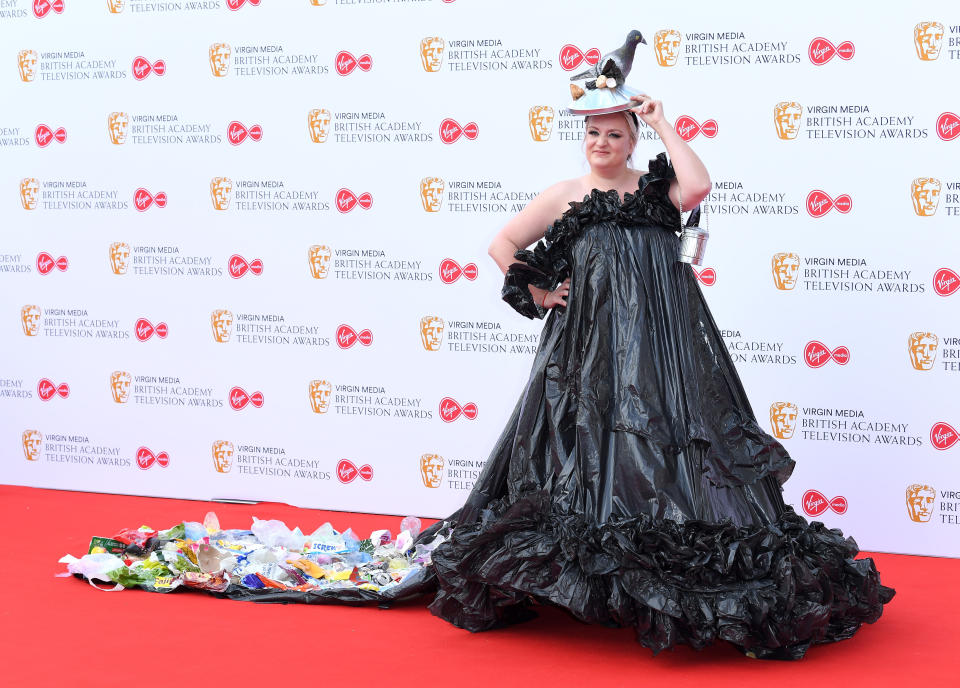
x: 633, y: 485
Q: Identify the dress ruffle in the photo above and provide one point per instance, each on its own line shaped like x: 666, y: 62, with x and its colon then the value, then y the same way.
x: 516, y: 290
x: 548, y: 263
x: 771, y: 590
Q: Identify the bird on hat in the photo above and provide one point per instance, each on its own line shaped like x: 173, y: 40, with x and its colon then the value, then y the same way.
x: 622, y: 58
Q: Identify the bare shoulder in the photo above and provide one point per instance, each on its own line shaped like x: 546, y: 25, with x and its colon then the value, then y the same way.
x: 553, y: 197
x: 530, y: 224
x: 568, y: 188
x: 559, y: 196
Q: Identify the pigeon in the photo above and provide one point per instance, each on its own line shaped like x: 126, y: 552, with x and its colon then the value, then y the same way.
x: 622, y: 57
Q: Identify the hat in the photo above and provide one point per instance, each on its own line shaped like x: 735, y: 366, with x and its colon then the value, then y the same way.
x: 604, y: 89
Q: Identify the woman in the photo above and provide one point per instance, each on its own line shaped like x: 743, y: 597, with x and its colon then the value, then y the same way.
x: 632, y: 484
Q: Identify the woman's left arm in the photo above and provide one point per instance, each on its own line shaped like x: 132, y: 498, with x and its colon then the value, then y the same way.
x: 692, y: 176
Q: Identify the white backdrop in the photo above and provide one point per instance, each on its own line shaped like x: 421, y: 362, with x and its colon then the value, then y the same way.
x: 868, y: 122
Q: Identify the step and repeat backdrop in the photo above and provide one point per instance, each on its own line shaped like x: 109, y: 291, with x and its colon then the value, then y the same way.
x: 243, y: 243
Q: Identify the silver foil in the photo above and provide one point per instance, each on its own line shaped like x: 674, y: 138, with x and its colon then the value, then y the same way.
x: 601, y: 101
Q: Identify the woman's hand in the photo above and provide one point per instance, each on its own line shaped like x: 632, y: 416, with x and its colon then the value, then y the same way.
x: 692, y: 176
x: 649, y: 110
x: 557, y: 297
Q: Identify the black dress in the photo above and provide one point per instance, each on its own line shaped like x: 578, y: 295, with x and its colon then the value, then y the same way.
x: 632, y: 485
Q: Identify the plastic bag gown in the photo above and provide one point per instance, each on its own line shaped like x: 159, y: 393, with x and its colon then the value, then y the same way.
x: 632, y: 485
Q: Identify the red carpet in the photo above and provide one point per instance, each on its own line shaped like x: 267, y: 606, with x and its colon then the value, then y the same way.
x: 62, y: 632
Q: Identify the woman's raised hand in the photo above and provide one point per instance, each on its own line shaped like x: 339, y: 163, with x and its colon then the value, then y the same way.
x: 649, y: 110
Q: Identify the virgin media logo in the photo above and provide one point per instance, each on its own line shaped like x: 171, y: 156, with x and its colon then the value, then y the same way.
x: 450, y: 410
x: 816, y: 354
x: 821, y: 51
x: 948, y: 126
x: 946, y: 282
x: 146, y: 458
x: 46, y: 263
x: 815, y: 503
x: 144, y: 329
x: 347, y: 471
x: 450, y: 271
x: 143, y: 199
x: 451, y: 131
x: 943, y: 436
x: 347, y: 337
x: 239, y: 399
x: 47, y: 389
x: 234, y: 5
x: 707, y: 277
x: 819, y: 203
x: 572, y: 57
x: 688, y: 128
x: 237, y: 133
x: 142, y: 68
x: 41, y: 8
x: 347, y: 200
x: 346, y: 63
x: 45, y: 135
x: 238, y: 266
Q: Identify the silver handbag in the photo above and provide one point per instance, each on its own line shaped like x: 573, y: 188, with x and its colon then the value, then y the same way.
x: 693, y: 238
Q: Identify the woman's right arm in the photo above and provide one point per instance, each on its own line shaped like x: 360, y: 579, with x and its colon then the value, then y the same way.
x: 527, y: 227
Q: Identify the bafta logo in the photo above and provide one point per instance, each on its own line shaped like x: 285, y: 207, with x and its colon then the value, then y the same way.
x: 785, y: 267
x: 115, y: 6
x: 666, y: 45
x: 923, y: 350
x: 786, y: 117
x: 540, y: 118
x: 120, y: 386
x: 431, y: 332
x: 928, y: 39
x: 320, y: 395
x: 32, y: 439
x: 925, y: 192
x: 119, y: 257
x: 30, y: 320
x: 783, y: 419
x: 27, y: 63
x: 431, y: 470
x: 220, y: 58
x: 319, y: 257
x: 29, y: 193
x: 117, y: 125
x: 920, y: 501
x: 222, y: 456
x: 431, y: 193
x: 222, y: 321
x: 221, y: 189
x: 431, y: 53
x: 318, y: 124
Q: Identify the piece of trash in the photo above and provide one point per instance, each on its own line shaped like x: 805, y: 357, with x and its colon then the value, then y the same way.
x: 269, y: 560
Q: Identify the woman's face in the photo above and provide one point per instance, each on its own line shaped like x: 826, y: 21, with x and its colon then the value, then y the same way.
x: 608, y: 141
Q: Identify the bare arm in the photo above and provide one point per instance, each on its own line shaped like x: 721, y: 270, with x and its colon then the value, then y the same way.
x: 529, y: 226
x: 692, y: 176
